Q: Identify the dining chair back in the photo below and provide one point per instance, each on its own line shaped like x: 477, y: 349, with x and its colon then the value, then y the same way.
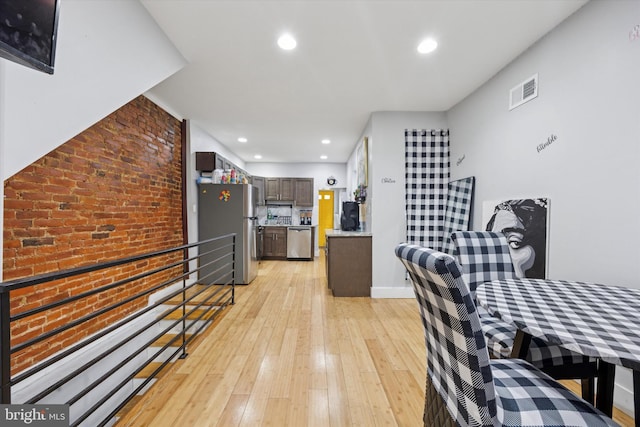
x: 484, y: 256
x: 474, y: 389
x: 458, y: 362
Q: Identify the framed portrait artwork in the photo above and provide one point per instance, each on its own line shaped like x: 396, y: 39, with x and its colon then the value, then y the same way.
x: 525, y: 222
x: 362, y: 159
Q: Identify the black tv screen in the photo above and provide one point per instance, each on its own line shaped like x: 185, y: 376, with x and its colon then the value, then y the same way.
x: 28, y: 32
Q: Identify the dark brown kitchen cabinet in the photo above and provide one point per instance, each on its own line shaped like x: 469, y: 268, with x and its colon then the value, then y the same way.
x: 274, y: 243
x: 299, y: 191
x: 287, y: 189
x: 258, y: 182
x: 208, y: 161
x: 279, y: 189
x: 304, y: 192
x: 205, y: 161
x: 271, y: 188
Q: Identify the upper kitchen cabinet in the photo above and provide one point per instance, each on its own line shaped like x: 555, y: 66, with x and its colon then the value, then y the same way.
x: 304, y: 192
x: 205, y: 161
x: 208, y: 161
x: 224, y: 164
x: 287, y: 189
x: 258, y: 182
x: 279, y: 189
x: 272, y: 188
x: 299, y: 191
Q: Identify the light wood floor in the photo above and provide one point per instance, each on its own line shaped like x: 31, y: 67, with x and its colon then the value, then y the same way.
x: 290, y: 354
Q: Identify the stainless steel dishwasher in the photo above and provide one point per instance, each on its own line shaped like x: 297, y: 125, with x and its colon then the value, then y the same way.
x: 299, y: 242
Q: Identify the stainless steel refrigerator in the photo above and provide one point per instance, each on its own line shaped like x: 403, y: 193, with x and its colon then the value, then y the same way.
x: 230, y: 208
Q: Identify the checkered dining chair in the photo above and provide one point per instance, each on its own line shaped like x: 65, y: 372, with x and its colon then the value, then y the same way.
x: 462, y: 381
x: 484, y: 256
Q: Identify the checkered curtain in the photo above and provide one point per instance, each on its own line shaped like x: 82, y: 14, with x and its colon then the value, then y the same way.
x: 427, y: 177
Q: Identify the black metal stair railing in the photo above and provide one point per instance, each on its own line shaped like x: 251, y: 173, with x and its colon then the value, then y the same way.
x: 107, y: 361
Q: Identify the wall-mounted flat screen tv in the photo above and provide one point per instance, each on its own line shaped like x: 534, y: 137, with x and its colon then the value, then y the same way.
x: 28, y: 32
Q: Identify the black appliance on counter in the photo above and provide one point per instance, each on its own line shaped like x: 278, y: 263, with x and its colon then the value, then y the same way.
x: 350, y: 219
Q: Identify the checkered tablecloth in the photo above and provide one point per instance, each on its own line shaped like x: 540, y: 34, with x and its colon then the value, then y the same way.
x: 593, y: 319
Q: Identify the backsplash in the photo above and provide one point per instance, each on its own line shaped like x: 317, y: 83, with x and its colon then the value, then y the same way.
x: 283, y: 215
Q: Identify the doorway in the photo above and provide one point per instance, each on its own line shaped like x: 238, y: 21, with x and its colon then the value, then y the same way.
x: 325, y: 215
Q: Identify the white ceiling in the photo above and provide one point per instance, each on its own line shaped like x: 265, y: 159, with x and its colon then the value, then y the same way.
x: 352, y: 58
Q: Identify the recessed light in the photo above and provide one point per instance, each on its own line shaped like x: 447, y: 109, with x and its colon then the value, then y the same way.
x: 287, y: 42
x: 257, y: 156
x: 242, y: 139
x: 323, y: 157
x: 326, y: 141
x: 427, y: 46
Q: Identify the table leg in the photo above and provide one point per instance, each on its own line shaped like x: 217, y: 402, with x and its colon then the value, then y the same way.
x: 606, y: 378
x: 636, y: 396
x: 521, y: 344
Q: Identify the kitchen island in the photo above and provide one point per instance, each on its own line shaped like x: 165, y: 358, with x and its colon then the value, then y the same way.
x: 348, y: 262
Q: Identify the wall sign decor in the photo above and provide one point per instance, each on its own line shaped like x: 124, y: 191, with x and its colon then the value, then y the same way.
x: 525, y: 222
x: 460, y: 160
x: 388, y: 181
x: 634, y: 34
x: 547, y: 143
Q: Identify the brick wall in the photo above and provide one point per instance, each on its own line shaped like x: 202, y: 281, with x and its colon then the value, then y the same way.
x: 110, y: 192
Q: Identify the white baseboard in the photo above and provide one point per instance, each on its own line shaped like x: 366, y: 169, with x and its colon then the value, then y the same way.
x: 392, y: 292
x: 623, y: 391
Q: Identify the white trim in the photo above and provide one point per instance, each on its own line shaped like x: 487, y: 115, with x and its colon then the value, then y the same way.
x: 623, y: 395
x: 392, y: 292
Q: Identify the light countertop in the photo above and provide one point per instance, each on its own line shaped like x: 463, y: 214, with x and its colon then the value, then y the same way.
x: 287, y: 225
x: 339, y: 233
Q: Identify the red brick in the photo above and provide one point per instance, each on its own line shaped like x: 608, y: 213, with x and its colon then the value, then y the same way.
x: 121, y: 179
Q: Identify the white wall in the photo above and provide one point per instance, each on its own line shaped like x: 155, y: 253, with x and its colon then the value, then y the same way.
x: 202, y: 141
x: 589, y: 98
x: 108, y: 52
x: 386, y: 195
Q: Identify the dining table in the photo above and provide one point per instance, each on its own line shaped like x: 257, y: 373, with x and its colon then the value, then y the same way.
x: 597, y: 320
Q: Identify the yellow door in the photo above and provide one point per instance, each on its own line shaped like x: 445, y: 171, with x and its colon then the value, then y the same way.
x: 325, y: 215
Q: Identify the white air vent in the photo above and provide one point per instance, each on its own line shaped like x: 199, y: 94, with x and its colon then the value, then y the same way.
x: 524, y: 92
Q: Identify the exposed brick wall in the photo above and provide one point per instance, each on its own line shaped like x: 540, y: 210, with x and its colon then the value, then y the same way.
x: 110, y: 192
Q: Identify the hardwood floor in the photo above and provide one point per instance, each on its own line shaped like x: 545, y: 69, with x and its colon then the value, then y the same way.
x: 290, y: 354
